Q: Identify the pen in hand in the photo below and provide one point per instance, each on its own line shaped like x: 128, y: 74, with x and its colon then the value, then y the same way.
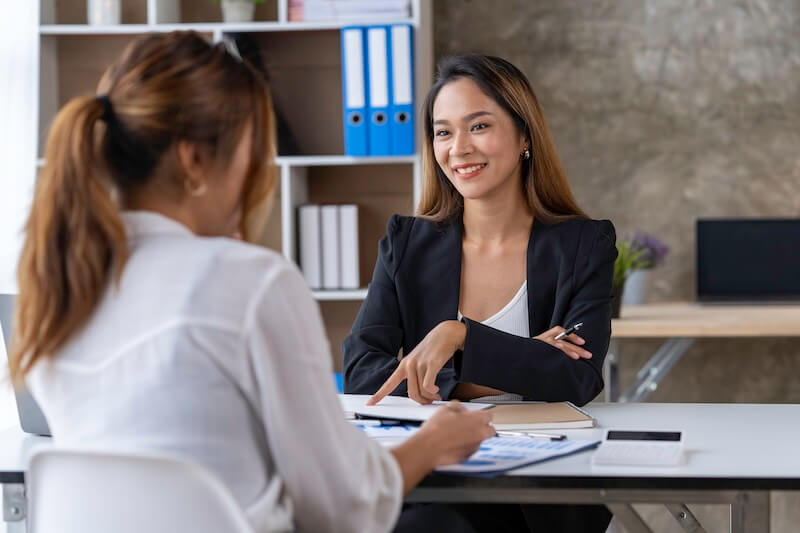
x: 568, y: 331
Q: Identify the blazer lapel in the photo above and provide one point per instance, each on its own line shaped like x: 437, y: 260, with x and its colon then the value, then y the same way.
x: 451, y: 274
x: 541, y: 280
x: 442, y: 276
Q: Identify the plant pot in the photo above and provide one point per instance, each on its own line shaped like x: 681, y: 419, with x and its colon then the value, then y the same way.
x: 616, y: 301
x: 636, y: 287
x: 104, y: 12
x: 238, y: 10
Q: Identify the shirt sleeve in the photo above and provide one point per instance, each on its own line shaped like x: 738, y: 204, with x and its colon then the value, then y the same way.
x: 337, y: 478
x: 536, y: 369
x: 371, y: 350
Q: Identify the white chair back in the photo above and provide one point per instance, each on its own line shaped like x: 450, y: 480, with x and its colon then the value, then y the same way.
x: 79, y: 491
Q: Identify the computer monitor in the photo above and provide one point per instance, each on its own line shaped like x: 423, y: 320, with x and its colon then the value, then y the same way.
x: 748, y: 260
x: 31, y: 418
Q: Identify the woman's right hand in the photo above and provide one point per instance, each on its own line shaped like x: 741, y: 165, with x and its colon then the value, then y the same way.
x: 450, y: 436
x: 453, y: 433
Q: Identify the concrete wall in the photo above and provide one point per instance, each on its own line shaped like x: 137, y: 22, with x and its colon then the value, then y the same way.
x: 665, y: 111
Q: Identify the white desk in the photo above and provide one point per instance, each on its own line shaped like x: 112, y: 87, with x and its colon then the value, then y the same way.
x: 736, y: 455
x: 681, y: 323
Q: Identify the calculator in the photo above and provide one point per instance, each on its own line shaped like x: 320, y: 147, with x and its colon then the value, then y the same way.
x: 640, y: 448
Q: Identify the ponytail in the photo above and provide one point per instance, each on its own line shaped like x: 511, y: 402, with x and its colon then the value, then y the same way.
x: 75, y: 238
x: 164, y: 88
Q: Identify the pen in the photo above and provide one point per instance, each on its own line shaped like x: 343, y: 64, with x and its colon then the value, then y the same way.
x: 532, y: 435
x: 386, y: 421
x: 569, y: 331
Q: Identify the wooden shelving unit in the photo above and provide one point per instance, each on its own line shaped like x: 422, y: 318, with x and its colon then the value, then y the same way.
x: 305, y: 69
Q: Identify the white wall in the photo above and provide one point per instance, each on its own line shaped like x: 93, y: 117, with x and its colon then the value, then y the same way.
x: 19, y: 53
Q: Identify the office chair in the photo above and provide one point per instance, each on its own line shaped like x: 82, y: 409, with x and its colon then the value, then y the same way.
x: 74, y: 491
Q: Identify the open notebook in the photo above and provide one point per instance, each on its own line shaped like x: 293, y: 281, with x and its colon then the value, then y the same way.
x: 395, y: 408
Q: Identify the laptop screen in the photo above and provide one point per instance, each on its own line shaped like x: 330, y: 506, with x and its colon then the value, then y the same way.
x: 748, y: 260
x: 31, y: 418
x: 6, y: 317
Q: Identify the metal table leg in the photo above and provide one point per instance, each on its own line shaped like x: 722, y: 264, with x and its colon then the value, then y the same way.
x: 750, y: 513
x: 611, y: 371
x: 651, y: 374
x: 685, y: 518
x: 15, y: 507
x: 626, y: 514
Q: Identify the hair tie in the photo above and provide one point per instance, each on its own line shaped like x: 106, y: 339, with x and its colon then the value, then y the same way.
x: 108, y: 110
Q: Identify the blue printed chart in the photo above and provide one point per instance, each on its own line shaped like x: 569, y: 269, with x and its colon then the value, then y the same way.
x: 376, y: 430
x: 501, y: 454
x: 495, y: 455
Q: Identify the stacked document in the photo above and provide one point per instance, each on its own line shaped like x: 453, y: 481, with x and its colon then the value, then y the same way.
x: 495, y: 456
x: 517, y: 416
x: 326, y: 10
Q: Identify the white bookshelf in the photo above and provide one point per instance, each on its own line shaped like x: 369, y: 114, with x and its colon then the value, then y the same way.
x: 305, y: 66
x: 210, y: 27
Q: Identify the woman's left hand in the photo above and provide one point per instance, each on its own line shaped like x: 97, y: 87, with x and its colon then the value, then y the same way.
x: 570, y: 345
x: 422, y: 365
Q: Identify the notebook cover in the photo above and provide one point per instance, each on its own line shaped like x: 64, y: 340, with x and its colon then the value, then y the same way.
x: 558, y: 415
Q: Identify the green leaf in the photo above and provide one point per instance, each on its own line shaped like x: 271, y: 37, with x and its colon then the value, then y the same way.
x: 628, y: 260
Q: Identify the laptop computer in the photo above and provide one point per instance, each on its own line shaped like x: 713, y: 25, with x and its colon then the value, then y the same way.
x: 31, y: 418
x: 748, y: 260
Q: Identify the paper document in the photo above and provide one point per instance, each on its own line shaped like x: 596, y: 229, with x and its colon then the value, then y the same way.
x: 380, y: 431
x: 396, y: 407
x: 501, y: 454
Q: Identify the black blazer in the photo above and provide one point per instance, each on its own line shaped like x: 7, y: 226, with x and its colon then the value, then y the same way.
x: 416, y: 284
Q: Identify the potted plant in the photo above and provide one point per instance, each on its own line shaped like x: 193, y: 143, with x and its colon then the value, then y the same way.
x: 239, y: 10
x: 638, y: 281
x: 629, y: 259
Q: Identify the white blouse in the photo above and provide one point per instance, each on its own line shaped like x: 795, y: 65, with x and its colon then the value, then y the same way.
x: 213, y: 349
x: 513, y: 319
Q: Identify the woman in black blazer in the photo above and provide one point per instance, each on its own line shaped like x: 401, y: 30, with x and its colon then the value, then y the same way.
x: 496, y: 218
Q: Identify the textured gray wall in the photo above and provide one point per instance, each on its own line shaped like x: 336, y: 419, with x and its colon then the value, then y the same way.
x: 665, y: 111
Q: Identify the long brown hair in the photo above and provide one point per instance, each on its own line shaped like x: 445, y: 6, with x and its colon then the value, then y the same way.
x: 543, y: 181
x: 164, y: 88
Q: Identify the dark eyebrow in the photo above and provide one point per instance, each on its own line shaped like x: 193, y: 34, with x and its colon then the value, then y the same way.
x: 471, y: 116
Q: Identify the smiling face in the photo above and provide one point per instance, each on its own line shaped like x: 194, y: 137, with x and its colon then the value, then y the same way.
x: 475, y: 141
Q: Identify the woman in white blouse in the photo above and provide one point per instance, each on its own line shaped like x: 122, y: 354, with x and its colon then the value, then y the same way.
x: 142, y: 327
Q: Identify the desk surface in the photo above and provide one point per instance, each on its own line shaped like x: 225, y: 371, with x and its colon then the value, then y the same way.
x: 728, y: 446
x: 684, y: 319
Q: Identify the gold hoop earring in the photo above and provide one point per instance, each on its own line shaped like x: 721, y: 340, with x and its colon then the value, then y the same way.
x: 526, y: 154
x: 193, y: 190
